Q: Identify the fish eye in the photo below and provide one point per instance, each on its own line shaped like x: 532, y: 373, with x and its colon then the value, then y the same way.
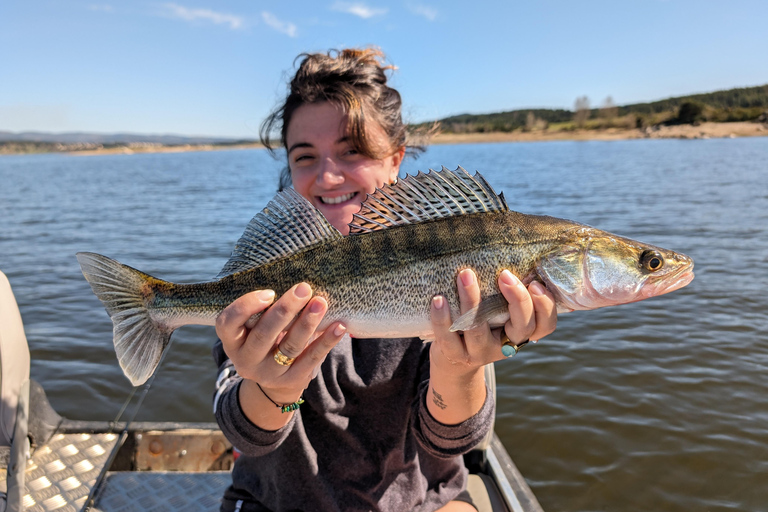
x: 651, y: 261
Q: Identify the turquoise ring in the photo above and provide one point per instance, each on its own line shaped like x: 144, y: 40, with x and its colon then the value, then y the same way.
x: 509, y: 349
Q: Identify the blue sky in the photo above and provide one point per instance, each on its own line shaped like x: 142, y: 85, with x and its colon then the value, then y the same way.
x: 199, y: 67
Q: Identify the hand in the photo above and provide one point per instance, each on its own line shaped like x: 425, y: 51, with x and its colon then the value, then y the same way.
x: 290, y: 324
x: 532, y: 315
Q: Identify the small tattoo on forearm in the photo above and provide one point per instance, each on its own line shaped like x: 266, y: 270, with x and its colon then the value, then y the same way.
x: 438, y: 400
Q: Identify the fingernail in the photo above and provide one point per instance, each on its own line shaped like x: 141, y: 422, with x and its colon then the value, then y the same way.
x: 302, y: 291
x: 339, y: 330
x: 508, y: 351
x: 535, y: 288
x: 467, y: 277
x: 438, y: 301
x: 267, y: 295
x: 509, y: 278
x: 316, y: 306
x: 534, y: 341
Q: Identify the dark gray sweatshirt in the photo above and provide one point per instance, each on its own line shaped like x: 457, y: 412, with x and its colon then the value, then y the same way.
x: 362, y: 441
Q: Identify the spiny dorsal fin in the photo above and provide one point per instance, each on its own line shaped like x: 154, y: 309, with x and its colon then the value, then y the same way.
x: 287, y: 225
x: 430, y: 196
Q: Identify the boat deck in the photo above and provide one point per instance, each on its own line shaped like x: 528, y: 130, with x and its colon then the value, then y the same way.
x: 176, y: 467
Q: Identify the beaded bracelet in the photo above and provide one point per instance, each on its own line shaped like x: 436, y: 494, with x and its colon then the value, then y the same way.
x: 285, y: 407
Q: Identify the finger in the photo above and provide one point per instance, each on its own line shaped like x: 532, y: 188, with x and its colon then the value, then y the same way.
x: 279, y: 317
x: 545, y: 310
x: 522, y: 321
x: 469, y: 298
x: 440, y: 315
x: 469, y: 291
x: 231, y: 322
x: 316, y: 352
x: 448, y: 343
x: 302, y: 330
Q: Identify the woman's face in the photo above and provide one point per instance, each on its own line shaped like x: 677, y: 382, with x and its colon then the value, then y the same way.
x: 327, y: 170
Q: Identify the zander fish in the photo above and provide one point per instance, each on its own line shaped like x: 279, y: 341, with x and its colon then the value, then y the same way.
x: 406, y: 245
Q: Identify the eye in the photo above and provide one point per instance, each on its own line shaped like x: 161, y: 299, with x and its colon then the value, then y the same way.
x: 302, y: 158
x: 651, y: 261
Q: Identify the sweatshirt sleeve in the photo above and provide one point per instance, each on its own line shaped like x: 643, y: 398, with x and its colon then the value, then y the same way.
x: 244, y: 435
x: 443, y: 440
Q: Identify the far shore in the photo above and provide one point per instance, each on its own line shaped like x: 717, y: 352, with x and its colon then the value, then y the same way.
x: 701, y: 131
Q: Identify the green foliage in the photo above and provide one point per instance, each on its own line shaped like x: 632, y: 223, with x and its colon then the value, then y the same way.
x: 500, y: 122
x: 25, y: 147
x: 742, y: 104
x: 690, y: 112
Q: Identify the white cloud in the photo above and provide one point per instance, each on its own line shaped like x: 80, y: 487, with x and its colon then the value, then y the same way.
x: 426, y: 11
x: 219, y: 18
x: 101, y: 7
x: 283, y: 27
x: 358, y: 9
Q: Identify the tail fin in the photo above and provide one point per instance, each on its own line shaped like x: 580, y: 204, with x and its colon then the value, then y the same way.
x: 139, y: 341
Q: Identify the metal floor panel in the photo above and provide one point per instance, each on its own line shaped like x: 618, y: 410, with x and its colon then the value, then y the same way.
x: 163, y: 491
x: 60, y: 474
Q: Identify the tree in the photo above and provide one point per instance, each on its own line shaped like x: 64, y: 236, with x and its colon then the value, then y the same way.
x: 690, y: 112
x: 609, y: 110
x: 582, y: 111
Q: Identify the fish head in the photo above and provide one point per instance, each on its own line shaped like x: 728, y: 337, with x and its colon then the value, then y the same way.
x: 594, y: 269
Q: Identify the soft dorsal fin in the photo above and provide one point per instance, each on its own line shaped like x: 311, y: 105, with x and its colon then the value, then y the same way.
x: 430, y: 196
x: 287, y: 225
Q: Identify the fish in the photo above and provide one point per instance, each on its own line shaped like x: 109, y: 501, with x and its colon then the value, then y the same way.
x: 406, y: 245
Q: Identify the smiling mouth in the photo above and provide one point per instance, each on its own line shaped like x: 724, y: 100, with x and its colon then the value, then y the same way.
x: 337, y: 200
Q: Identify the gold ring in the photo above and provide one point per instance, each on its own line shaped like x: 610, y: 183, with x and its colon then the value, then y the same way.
x: 283, y: 359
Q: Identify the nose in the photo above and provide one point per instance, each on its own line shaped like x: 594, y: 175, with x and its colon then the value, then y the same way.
x: 329, y: 174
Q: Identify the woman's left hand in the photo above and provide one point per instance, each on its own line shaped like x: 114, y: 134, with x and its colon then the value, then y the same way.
x: 532, y: 315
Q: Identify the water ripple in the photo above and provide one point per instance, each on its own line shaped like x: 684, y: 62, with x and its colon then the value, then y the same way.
x: 658, y: 405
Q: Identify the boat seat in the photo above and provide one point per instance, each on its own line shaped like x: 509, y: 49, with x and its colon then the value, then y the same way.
x: 14, y: 399
x: 41, y: 470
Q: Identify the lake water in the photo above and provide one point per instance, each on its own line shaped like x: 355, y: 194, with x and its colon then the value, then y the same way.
x: 658, y: 405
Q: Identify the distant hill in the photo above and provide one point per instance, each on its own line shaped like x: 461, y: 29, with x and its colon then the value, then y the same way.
x: 741, y: 104
x: 111, y: 138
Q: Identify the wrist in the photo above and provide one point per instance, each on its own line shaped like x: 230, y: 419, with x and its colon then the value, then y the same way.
x: 460, y: 372
x: 272, y: 394
x: 284, y: 407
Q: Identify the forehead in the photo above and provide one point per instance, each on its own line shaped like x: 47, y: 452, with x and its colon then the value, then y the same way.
x: 316, y: 122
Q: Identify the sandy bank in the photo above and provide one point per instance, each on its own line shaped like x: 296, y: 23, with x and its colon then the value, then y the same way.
x: 703, y: 131
x: 124, y: 150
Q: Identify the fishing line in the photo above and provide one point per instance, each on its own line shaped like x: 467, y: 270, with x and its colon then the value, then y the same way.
x: 124, y: 434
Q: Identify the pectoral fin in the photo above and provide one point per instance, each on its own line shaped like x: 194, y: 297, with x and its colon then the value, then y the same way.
x: 492, y: 310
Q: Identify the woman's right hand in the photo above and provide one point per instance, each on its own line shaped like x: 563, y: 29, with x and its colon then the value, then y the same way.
x: 251, y: 348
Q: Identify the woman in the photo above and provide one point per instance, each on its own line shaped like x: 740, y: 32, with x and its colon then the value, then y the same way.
x: 383, y: 422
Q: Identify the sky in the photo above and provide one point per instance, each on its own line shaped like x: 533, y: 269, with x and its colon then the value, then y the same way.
x: 217, y: 68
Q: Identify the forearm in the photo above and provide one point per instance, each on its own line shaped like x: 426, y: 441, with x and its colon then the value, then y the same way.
x: 454, y: 397
x: 242, y: 432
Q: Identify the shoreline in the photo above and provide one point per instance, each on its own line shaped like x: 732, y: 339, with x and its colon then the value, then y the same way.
x: 703, y: 131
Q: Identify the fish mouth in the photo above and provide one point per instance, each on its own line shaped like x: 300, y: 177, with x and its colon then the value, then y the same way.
x: 683, y: 278
x: 332, y: 201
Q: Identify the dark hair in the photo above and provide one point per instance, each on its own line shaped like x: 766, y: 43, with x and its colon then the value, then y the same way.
x: 354, y: 80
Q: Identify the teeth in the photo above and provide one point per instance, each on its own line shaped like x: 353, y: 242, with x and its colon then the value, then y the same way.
x: 337, y: 200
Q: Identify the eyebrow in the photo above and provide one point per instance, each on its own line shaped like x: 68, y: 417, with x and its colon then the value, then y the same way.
x: 299, y: 145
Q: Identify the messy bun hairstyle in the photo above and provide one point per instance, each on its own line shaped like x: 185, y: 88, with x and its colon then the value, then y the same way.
x: 353, y: 80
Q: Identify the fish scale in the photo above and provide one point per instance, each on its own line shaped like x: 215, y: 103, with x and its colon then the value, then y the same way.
x: 406, y: 245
